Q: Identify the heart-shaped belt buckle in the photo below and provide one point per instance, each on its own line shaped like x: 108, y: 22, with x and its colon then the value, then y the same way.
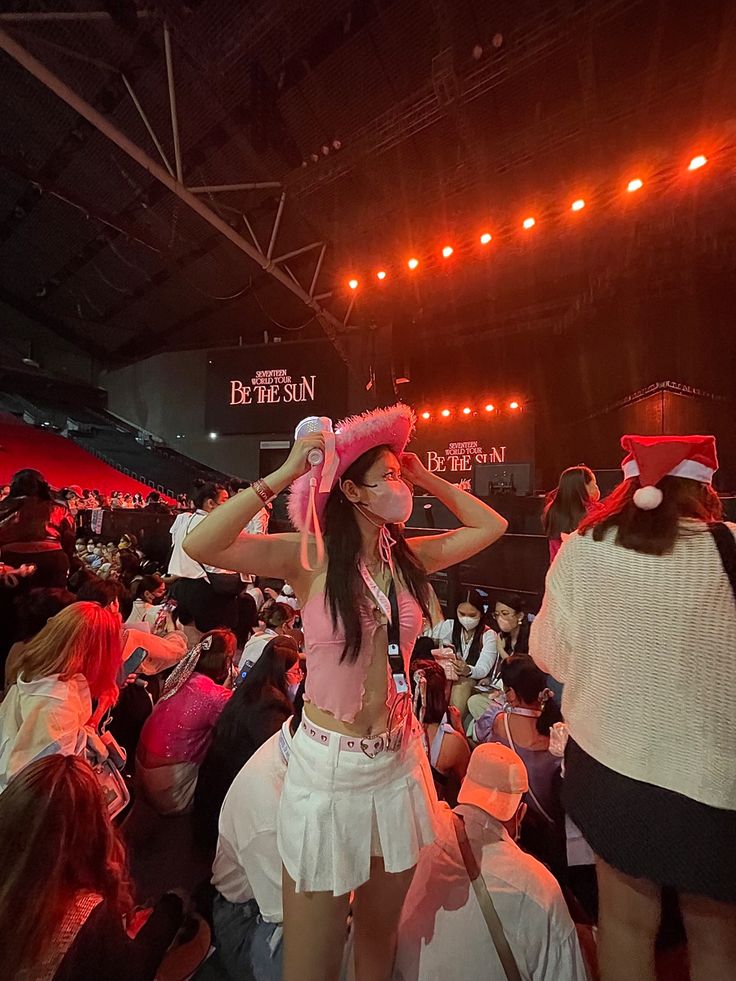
x: 371, y: 747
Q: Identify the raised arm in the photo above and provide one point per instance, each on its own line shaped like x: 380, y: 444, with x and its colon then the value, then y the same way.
x: 482, y: 526
x: 220, y: 541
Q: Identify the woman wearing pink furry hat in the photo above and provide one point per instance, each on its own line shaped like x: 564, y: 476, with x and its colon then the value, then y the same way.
x: 358, y: 799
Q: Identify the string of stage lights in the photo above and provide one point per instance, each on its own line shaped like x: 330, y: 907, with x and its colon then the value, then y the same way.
x: 488, y: 408
x: 487, y: 236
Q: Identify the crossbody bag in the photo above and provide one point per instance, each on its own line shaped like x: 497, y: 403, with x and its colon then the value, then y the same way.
x: 495, y: 927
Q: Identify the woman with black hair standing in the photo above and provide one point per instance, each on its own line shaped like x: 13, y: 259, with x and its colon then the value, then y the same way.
x: 358, y: 801
x: 567, y: 505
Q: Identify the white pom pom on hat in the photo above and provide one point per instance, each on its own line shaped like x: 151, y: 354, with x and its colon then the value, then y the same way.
x: 650, y: 458
x: 648, y: 498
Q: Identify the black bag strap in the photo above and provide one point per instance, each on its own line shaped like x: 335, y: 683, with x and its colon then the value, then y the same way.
x: 393, y: 629
x: 726, y: 545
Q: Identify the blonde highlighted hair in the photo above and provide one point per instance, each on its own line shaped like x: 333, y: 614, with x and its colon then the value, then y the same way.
x: 83, y: 638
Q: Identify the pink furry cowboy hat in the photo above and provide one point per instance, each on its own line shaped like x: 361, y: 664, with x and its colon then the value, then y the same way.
x: 391, y: 427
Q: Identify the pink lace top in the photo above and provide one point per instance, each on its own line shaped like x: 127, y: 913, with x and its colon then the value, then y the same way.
x: 337, y: 687
x: 179, y: 730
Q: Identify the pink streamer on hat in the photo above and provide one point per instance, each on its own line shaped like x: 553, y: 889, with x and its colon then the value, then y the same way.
x: 312, y: 525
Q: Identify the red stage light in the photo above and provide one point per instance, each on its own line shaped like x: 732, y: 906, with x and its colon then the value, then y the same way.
x: 413, y: 263
x: 697, y: 162
x: 514, y: 405
x: 445, y: 413
x: 490, y: 407
x: 353, y: 284
x: 447, y: 251
x: 466, y: 411
x: 425, y: 415
x: 529, y: 223
x: 381, y: 274
x: 485, y: 238
x: 634, y: 185
x: 577, y: 205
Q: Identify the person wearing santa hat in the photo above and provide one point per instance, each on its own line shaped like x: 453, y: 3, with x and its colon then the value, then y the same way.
x: 639, y: 623
x: 358, y: 801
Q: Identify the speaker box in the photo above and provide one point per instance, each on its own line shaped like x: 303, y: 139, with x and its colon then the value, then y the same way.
x: 508, y: 478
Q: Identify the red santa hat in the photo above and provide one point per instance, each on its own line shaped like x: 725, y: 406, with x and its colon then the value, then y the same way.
x: 650, y: 458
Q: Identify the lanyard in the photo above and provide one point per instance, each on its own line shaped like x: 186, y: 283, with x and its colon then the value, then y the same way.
x: 389, y: 606
x: 529, y: 713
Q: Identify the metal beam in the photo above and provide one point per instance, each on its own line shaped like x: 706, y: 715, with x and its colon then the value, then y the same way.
x: 296, y: 252
x: 317, y: 270
x: 277, y: 222
x: 330, y: 324
x: 251, y: 186
x: 172, y: 101
x: 39, y: 16
x: 147, y: 124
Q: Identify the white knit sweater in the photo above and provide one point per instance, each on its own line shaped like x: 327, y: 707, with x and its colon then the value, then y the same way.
x: 646, y: 648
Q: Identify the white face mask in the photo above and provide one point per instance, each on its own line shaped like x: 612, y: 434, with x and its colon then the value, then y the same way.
x: 287, y: 590
x: 470, y: 623
x: 390, y: 500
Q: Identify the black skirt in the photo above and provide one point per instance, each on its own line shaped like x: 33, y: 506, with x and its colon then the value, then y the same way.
x: 651, y: 833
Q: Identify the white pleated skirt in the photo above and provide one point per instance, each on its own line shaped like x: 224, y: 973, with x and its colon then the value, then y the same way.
x: 340, y: 809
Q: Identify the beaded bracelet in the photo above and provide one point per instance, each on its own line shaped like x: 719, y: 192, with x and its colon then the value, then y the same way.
x: 262, y: 490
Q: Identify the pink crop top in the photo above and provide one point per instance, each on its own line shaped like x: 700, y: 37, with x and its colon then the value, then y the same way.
x: 339, y: 688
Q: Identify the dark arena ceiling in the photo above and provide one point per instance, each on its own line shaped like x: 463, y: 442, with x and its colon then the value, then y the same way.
x: 383, y: 130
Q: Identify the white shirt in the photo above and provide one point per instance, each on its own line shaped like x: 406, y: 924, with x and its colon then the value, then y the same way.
x: 644, y: 645
x: 442, y: 633
x: 41, y: 717
x: 142, y: 613
x: 163, y: 652
x: 247, y: 864
x: 258, y: 524
x: 442, y: 925
x: 255, y: 646
x: 181, y: 564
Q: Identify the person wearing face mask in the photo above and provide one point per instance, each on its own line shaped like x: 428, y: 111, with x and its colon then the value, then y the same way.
x: 474, y: 643
x: 575, y: 495
x: 442, y: 925
x: 148, y: 594
x: 358, y: 800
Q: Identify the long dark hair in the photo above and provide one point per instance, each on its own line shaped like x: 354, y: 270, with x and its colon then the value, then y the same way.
x: 55, y: 840
x: 268, y: 674
x: 521, y: 673
x: 567, y: 504
x: 436, y: 700
x: 473, y: 597
x: 517, y: 603
x: 344, y: 586
x: 30, y: 483
x: 653, y: 532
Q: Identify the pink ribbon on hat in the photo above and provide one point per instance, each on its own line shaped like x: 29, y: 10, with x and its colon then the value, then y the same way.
x: 311, y: 525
